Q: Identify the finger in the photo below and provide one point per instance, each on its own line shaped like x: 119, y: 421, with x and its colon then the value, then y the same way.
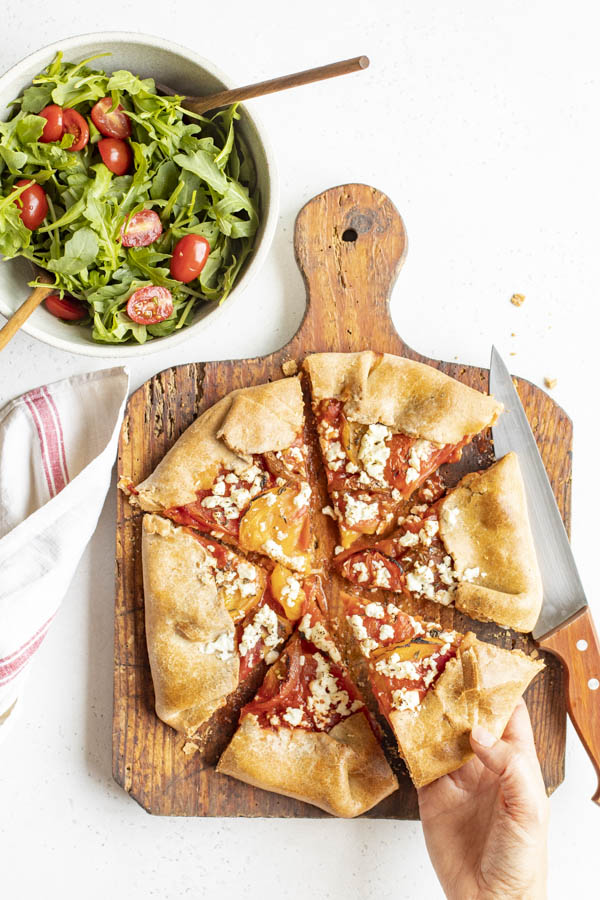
x: 519, y: 773
x: 518, y: 730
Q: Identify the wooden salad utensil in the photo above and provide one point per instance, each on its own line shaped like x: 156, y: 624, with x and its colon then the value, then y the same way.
x: 20, y: 315
x: 201, y: 105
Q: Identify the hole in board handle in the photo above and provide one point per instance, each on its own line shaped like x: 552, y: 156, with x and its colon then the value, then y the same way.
x: 350, y: 234
x: 593, y: 684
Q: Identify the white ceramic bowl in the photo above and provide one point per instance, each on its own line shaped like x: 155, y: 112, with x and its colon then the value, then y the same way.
x: 187, y: 73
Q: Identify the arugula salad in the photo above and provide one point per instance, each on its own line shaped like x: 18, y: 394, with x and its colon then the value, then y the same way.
x: 138, y: 209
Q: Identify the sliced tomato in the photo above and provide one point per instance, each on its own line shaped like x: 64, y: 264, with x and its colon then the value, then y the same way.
x: 189, y: 257
x: 116, y: 155
x: 75, y: 124
x: 65, y: 307
x: 32, y: 203
x: 53, y: 129
x: 114, y: 123
x: 150, y: 305
x: 141, y: 229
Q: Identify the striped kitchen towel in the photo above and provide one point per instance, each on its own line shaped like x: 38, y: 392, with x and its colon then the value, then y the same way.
x: 57, y: 448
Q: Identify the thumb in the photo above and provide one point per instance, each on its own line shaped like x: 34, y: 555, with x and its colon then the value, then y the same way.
x: 506, y: 761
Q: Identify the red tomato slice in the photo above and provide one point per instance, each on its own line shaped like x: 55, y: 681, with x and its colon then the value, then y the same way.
x: 53, y: 129
x: 75, y: 124
x: 65, y: 308
x: 32, y: 203
x: 116, y: 155
x: 189, y: 257
x: 114, y: 123
x: 141, y: 229
x: 150, y: 305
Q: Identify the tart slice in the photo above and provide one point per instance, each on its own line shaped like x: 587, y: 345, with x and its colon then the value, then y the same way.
x: 307, y: 733
x: 238, y: 473
x: 434, y: 685
x: 211, y: 617
x: 385, y: 425
x: 472, y: 549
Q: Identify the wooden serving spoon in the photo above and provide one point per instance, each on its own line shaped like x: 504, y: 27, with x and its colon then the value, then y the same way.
x: 200, y: 105
x: 8, y: 331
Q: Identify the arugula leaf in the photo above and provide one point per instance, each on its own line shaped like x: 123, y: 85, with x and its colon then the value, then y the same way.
x: 78, y: 253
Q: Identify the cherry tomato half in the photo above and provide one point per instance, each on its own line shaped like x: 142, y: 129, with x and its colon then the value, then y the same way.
x: 32, y: 203
x: 65, y: 307
x: 53, y: 129
x: 75, y: 124
x: 111, y: 122
x: 141, y: 229
x: 189, y: 257
x: 150, y: 305
x: 116, y: 155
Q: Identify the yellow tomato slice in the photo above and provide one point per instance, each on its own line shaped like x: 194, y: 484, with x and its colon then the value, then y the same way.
x: 287, y: 589
x: 412, y: 650
x: 241, y: 593
x: 277, y: 523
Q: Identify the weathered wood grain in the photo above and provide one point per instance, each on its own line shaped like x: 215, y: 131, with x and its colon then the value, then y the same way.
x: 350, y: 243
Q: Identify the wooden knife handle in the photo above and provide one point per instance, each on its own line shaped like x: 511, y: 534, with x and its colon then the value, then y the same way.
x: 577, y: 645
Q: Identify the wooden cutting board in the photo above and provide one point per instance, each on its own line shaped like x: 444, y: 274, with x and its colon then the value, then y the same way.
x: 350, y: 243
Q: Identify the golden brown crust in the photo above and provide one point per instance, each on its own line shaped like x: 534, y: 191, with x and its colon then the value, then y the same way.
x: 484, y: 524
x: 184, y: 613
x: 480, y: 686
x: 343, y: 772
x: 250, y: 420
x: 407, y: 396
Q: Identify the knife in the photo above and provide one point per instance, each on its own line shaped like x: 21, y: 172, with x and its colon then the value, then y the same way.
x: 565, y: 626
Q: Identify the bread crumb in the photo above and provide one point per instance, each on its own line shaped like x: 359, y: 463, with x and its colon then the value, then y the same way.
x: 550, y: 382
x: 517, y: 299
x: 289, y: 367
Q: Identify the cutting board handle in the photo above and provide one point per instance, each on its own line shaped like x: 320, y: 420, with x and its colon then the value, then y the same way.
x: 350, y: 243
x: 577, y: 645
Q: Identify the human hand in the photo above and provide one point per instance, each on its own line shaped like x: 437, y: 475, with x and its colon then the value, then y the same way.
x: 486, y: 824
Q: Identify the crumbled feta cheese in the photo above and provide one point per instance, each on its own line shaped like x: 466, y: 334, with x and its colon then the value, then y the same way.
x: 374, y: 611
x: 270, y: 498
x: 419, y: 452
x: 351, y: 469
x: 374, y: 452
x: 396, y: 495
x: 271, y: 657
x: 264, y: 626
x: 221, y: 647
x: 405, y: 699
x: 386, y: 632
x: 411, y: 475
x: 327, y: 511
x: 382, y: 576
x: 291, y: 590
x: 420, y: 581
x: 293, y: 716
x: 357, y: 625
x: 219, y: 487
x: 276, y: 552
x: 339, y: 549
x: 361, y: 572
x: 302, y: 498
x: 325, y: 696
x: 409, y: 539
x: 317, y: 634
x: 470, y: 574
x: 393, y: 667
x: 358, y: 511
x: 334, y: 455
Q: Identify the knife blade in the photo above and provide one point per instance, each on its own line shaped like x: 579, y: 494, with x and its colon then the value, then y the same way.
x: 563, y: 592
x: 565, y: 625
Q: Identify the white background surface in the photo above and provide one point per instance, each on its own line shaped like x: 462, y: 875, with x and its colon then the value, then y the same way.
x: 480, y: 120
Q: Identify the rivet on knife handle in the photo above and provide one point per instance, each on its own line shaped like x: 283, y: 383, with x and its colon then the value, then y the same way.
x: 577, y: 645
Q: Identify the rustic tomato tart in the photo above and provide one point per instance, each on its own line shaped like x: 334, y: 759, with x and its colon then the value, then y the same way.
x: 434, y: 685
x: 212, y: 616
x: 385, y: 425
x: 472, y: 549
x: 307, y: 733
x: 238, y: 473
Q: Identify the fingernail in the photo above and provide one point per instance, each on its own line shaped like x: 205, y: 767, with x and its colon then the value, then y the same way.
x: 482, y: 736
